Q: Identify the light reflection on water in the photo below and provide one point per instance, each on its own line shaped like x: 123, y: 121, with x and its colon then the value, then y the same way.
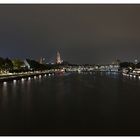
x: 14, y: 89
x: 4, y: 94
x: 85, y: 101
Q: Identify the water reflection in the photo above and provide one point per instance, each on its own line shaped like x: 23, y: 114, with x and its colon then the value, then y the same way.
x: 14, y: 81
x: 4, y: 94
x: 28, y: 84
x: 5, y: 87
x: 59, y: 88
x: 29, y: 78
x: 84, y: 101
x: 28, y: 97
x: 24, y: 86
x: 14, y: 89
x: 22, y: 80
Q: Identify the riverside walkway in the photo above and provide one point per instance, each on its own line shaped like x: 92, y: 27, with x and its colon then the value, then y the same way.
x: 16, y: 76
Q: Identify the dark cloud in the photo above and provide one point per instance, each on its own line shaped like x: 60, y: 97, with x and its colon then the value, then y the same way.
x: 82, y: 33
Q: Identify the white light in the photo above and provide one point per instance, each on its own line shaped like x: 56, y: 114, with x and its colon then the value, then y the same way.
x: 139, y: 77
x: 49, y: 74
x: 45, y: 75
x: 134, y: 76
x: 14, y: 81
x: 4, y: 83
x: 39, y: 76
x: 22, y: 79
x: 29, y: 78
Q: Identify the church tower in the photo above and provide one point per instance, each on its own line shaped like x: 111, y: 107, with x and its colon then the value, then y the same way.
x: 58, y: 58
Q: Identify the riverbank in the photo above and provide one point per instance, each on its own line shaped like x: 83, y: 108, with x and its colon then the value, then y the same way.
x: 28, y: 75
x: 134, y: 75
x: 18, y: 76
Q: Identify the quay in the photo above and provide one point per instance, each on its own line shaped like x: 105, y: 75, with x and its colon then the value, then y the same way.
x: 20, y: 76
x: 131, y: 75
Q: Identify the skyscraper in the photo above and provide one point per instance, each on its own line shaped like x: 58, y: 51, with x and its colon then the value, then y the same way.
x: 58, y: 58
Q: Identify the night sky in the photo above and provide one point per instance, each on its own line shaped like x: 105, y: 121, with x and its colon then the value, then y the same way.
x: 94, y: 34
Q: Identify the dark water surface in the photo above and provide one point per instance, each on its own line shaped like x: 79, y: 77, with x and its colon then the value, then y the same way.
x: 73, y: 104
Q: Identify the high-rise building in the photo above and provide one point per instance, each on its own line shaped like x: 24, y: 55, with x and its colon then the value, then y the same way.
x: 58, y: 58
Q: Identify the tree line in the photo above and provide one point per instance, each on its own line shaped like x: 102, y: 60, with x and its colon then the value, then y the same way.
x: 18, y: 65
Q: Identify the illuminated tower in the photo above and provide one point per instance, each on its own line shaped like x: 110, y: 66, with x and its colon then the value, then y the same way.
x: 58, y: 58
x: 41, y: 61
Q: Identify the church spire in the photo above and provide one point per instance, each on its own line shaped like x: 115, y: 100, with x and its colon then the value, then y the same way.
x: 58, y: 58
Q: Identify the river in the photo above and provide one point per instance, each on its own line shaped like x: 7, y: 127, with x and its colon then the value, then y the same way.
x: 71, y: 104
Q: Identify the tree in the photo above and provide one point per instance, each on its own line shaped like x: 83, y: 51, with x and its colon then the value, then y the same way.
x: 2, y: 62
x: 8, y: 65
x: 127, y: 64
x: 138, y: 65
x: 34, y: 65
x: 17, y: 63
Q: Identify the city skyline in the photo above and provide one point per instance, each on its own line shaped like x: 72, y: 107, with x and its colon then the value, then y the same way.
x: 57, y: 60
x: 94, y: 34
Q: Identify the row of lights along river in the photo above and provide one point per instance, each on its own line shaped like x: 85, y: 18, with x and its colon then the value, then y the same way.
x: 45, y: 75
x: 29, y: 78
x: 131, y: 76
